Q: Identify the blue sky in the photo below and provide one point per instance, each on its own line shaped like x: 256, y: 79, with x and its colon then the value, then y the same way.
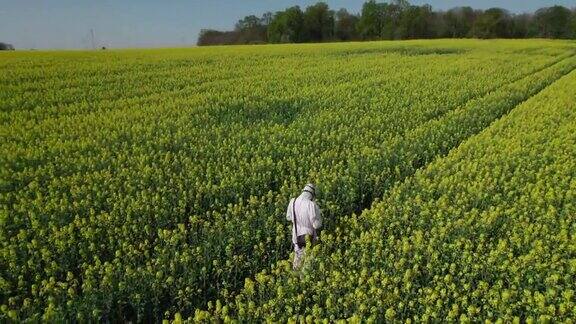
x: 147, y: 23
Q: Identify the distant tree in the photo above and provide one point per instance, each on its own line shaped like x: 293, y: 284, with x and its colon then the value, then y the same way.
x: 276, y: 28
x: 392, y: 15
x: 573, y: 24
x: 554, y: 22
x: 345, y: 25
x: 266, y: 18
x: 247, y: 23
x: 493, y: 23
x: 251, y: 30
x: 380, y: 20
x: 416, y: 22
x: 437, y: 25
x: 371, y: 20
x: 287, y: 26
x: 522, y: 26
x: 393, y: 19
x: 318, y: 23
x: 458, y: 22
x: 451, y: 24
x: 215, y: 37
x: 6, y: 47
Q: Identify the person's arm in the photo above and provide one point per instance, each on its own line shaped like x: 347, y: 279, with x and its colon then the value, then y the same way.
x: 317, y: 218
x: 289, y: 211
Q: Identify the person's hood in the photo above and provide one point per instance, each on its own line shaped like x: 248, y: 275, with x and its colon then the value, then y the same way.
x: 310, y: 188
x: 306, y: 195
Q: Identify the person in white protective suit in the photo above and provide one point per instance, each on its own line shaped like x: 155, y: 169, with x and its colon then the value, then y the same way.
x: 306, y: 219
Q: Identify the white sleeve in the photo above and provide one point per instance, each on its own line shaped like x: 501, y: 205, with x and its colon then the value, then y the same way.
x: 289, y: 211
x: 317, y: 218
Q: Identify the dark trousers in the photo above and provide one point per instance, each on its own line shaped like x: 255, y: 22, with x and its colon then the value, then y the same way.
x: 301, y: 240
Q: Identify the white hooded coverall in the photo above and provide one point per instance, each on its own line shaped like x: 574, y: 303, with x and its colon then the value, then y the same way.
x: 308, y: 218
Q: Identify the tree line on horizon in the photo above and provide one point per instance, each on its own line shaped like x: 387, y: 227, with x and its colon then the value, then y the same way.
x: 393, y: 20
x: 6, y: 47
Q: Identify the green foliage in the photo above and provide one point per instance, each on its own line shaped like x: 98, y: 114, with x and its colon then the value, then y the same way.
x: 493, y: 23
x: 371, y: 21
x: 287, y: 26
x: 394, y: 20
x: 458, y: 22
x: 319, y: 23
x: 345, y: 27
x: 555, y: 22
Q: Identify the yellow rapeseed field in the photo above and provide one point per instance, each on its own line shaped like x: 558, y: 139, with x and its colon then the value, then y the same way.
x: 152, y: 184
